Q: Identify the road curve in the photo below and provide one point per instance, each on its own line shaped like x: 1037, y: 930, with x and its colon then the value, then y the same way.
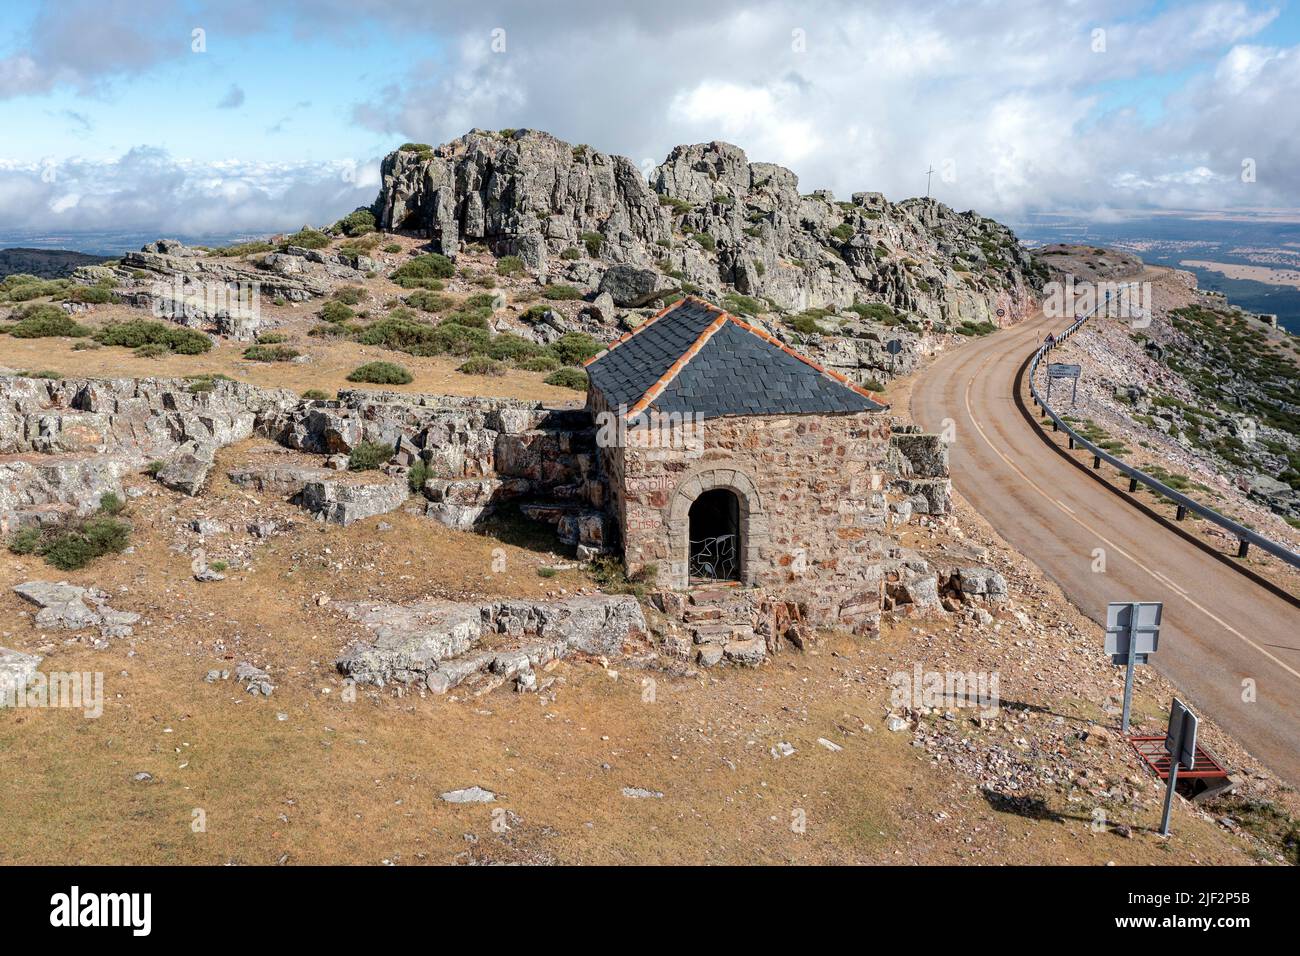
x: 1219, y: 628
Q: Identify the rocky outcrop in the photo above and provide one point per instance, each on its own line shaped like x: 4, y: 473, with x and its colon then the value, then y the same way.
x: 709, y: 219
x: 438, y: 644
x: 70, y: 607
x: 17, y: 670
x: 347, y: 501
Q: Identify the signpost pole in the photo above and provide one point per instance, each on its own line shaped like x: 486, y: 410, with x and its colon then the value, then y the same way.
x: 1128, y: 674
x: 1169, y: 795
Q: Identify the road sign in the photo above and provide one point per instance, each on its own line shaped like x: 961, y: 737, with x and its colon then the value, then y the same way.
x: 1062, y: 370
x: 1132, y: 633
x: 1180, y: 738
x: 1001, y: 313
x: 1180, y: 744
x: 894, y: 346
x: 1132, y: 626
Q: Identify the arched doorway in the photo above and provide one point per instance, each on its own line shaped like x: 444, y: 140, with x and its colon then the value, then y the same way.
x: 715, y: 536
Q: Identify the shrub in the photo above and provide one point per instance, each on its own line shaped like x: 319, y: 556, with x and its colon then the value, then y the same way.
x: 356, y: 223
x: 744, y: 304
x: 418, y: 474
x: 43, y: 321
x: 380, y: 373
x: 594, y: 241
x: 368, y: 455
x: 560, y: 292
x: 84, y: 344
x: 574, y: 378
x: 509, y: 347
x: 426, y: 300
x: 152, y: 350
x: 415, y: 148
x: 137, y: 332
x: 539, y: 363
x: 876, y: 311
x: 705, y: 240
x: 41, y: 373
x: 94, y: 294
x: 843, y: 232
x: 421, y: 271
x: 574, y: 348
x: 308, y: 238
x: 315, y: 395
x: 111, y: 504
x: 481, y: 365
x: 336, y: 312
x: 206, y: 382
x: 571, y: 253
x: 240, y: 249
x: 271, y: 338
x: 400, y: 334
x: 393, y: 248
x: 349, y: 294
x: 510, y: 265
x: 545, y: 572
x: 270, y: 353
x: 457, y: 339
x: 74, y: 545
x: 471, y: 318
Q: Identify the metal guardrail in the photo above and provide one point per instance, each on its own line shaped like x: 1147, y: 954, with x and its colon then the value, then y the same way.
x: 1245, y: 537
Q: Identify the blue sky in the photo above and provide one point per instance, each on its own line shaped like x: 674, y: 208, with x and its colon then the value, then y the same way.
x: 101, y: 100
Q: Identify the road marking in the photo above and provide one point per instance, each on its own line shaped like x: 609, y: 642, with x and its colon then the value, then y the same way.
x: 1087, y: 527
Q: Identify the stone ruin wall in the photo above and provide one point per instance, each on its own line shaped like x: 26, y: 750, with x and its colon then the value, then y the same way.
x: 820, y: 497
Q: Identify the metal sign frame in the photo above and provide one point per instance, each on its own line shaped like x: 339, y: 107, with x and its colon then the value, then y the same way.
x: 1180, y: 744
x: 1057, y: 370
x: 1132, y: 635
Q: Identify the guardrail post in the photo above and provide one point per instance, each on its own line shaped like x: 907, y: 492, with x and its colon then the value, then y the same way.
x: 1055, y: 427
x: 1096, y: 462
x: 1132, y: 485
x: 1071, y: 441
x: 1181, y: 513
x: 1242, y: 547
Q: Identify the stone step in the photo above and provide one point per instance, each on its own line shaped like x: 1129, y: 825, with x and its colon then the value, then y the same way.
x: 708, y: 596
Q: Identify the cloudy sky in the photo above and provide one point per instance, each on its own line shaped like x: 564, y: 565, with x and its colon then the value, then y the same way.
x: 196, y: 117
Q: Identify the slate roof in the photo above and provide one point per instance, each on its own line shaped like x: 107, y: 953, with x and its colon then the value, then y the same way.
x: 694, y: 357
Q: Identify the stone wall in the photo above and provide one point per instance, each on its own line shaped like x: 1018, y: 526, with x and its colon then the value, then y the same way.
x: 813, y: 508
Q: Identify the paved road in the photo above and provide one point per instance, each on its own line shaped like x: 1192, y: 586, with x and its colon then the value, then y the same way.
x: 1219, y: 627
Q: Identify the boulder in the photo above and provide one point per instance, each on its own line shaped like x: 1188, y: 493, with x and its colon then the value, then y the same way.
x: 71, y: 607
x: 342, y: 502
x: 17, y: 670
x: 629, y: 286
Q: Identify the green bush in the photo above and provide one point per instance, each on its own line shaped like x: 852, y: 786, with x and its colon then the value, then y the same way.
x: 76, y: 544
x: 401, y: 335
x: 470, y: 318
x: 510, y: 265
x: 393, y: 248
x: 456, y: 339
x: 705, y: 240
x: 415, y: 148
x: 111, y: 504
x: 40, y: 373
x: 571, y: 253
x: 241, y: 249
x: 545, y: 362
x: 876, y: 312
x: 152, y: 350
x: 843, y: 232
x: 594, y: 241
x: 356, y: 223
x: 25, y: 291
x: 560, y: 292
x: 418, y: 474
x: 422, y: 271
x: 349, y: 294
x: 308, y: 238
x: 574, y: 348
x: 93, y: 294
x: 336, y: 312
x: 270, y: 353
x: 43, y: 321
x: 137, y: 332
x: 271, y: 338
x: 481, y: 365
x: 206, y: 382
x: 574, y: 378
x: 368, y: 455
x: 426, y: 300
x: 508, y: 347
x: 315, y: 395
x: 380, y: 373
